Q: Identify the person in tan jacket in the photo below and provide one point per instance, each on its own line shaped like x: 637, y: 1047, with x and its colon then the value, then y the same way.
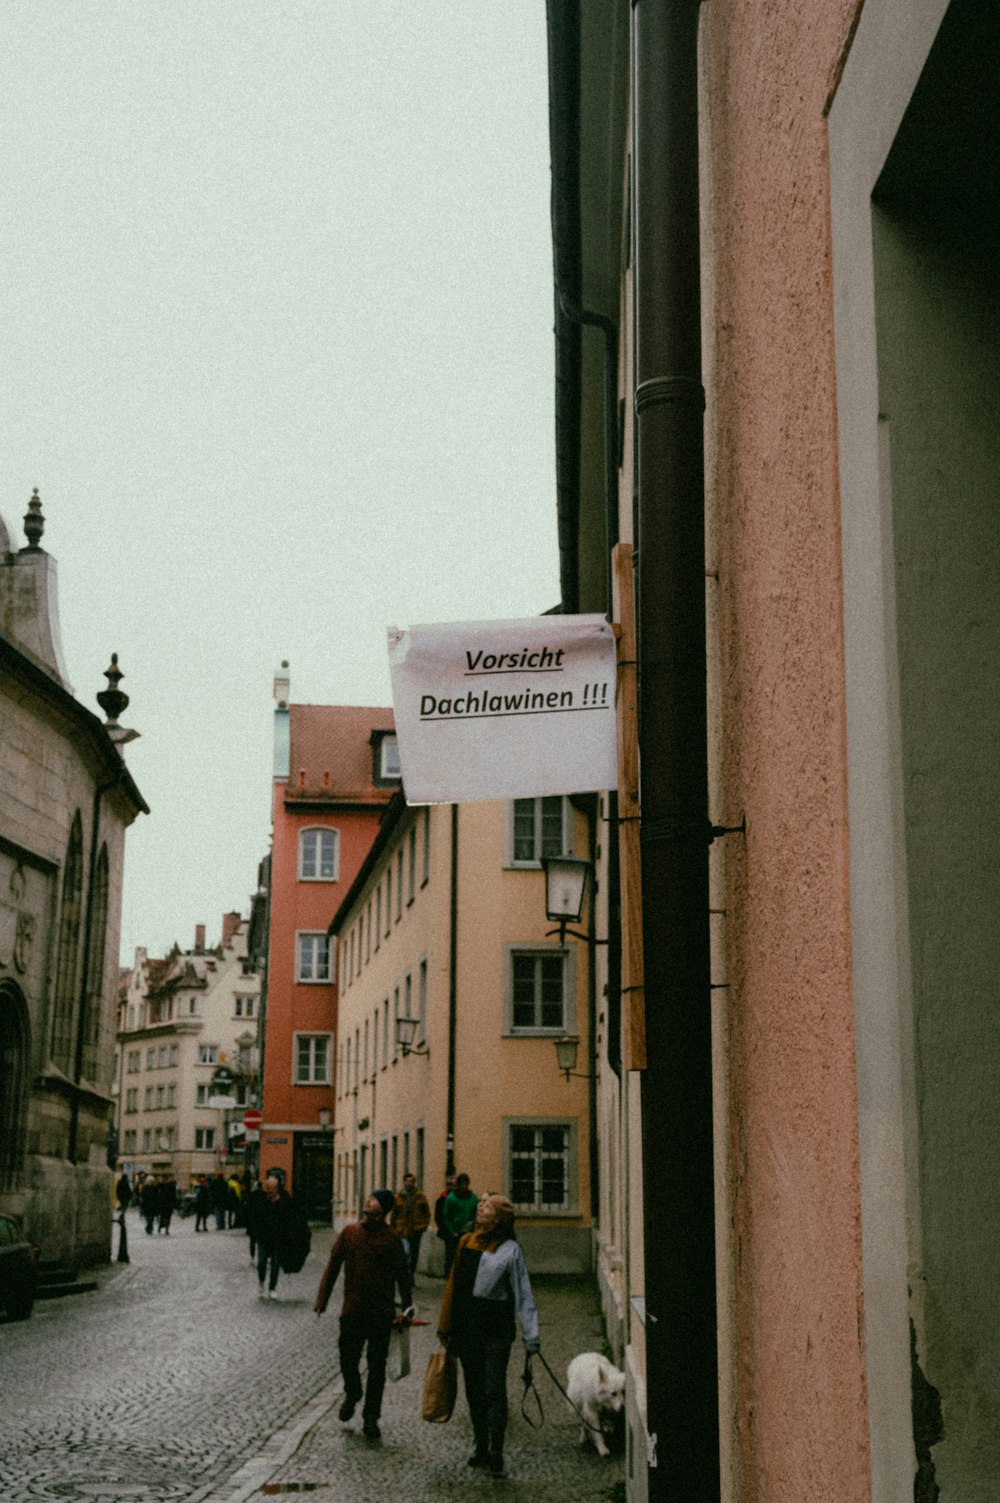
x: 487, y: 1286
x: 409, y: 1218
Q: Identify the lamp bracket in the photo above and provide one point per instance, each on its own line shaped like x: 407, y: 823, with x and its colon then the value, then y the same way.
x: 670, y: 830
x: 562, y: 931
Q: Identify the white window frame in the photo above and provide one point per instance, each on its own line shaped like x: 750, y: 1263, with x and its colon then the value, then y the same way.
x: 570, y: 1206
x: 535, y: 862
x: 388, y: 759
x: 208, y: 1054
x: 317, y: 874
x: 568, y: 1024
x: 201, y: 1095
x: 204, y: 1139
x: 312, y: 1038
x: 303, y: 980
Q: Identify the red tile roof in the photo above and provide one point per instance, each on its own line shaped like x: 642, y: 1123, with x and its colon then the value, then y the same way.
x: 331, y: 753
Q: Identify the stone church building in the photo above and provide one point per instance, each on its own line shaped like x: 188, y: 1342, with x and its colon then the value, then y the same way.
x: 66, y: 800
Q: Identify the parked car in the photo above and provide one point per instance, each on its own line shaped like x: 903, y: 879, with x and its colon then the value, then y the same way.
x: 17, y: 1270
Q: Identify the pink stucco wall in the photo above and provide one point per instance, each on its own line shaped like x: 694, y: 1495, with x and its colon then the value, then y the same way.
x: 800, y: 1402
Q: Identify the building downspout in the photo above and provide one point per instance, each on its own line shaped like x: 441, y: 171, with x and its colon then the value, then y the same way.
x: 676, y: 1090
x: 452, y: 996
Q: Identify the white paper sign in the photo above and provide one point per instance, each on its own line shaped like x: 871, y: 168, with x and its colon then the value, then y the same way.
x: 504, y: 709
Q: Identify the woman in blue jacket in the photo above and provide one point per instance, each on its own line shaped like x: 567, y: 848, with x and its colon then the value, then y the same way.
x: 488, y: 1284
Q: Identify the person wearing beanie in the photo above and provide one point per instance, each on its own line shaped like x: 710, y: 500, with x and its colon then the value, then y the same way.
x: 374, y: 1264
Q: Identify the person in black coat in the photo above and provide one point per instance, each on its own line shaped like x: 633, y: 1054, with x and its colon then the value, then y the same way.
x: 149, y: 1202
x: 168, y: 1203
x: 202, y: 1205
x: 220, y: 1194
x: 278, y: 1228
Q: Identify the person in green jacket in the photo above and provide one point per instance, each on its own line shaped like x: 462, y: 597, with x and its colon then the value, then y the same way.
x: 457, y: 1216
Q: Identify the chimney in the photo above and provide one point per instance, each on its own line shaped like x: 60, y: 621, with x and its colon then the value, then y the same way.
x: 230, y: 924
x: 199, y: 939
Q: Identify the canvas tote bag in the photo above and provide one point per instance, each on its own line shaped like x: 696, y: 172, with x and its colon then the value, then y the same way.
x: 440, y: 1388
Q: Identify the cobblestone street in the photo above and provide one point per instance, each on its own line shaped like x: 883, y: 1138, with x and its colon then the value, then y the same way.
x: 175, y: 1382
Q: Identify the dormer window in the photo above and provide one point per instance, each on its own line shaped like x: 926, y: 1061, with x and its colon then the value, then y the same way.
x: 319, y: 855
x: 386, y: 771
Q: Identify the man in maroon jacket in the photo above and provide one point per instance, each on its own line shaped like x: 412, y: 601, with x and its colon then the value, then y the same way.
x: 374, y: 1262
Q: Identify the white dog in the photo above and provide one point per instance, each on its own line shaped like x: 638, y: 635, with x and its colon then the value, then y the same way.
x: 597, y: 1388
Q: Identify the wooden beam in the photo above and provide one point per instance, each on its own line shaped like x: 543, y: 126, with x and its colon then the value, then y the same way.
x: 630, y: 864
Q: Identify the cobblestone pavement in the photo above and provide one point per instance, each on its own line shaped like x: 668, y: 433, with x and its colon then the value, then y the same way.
x: 174, y: 1383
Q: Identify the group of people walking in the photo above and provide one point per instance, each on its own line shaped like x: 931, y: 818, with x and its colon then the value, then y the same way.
x: 487, y: 1288
x: 155, y: 1198
x: 486, y: 1292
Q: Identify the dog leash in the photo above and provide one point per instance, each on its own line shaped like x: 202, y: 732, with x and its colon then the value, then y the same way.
x: 528, y: 1380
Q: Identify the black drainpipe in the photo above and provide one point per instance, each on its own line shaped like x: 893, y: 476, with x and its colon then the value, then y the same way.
x: 678, y: 1209
x: 452, y: 997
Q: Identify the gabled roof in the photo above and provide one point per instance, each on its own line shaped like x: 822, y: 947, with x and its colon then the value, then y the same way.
x: 332, y: 756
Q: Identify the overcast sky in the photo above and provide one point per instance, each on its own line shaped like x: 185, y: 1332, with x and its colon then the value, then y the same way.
x: 276, y: 299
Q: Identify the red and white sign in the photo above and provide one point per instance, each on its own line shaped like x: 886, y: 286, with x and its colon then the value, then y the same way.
x: 252, y: 1120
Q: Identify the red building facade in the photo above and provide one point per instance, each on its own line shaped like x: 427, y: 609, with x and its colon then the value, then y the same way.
x: 335, y: 770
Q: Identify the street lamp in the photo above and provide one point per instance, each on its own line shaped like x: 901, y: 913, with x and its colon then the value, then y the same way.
x: 566, y: 1049
x: 565, y: 887
x: 406, y: 1032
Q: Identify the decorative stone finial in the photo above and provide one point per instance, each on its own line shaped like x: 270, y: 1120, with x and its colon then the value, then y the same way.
x: 34, y: 523
x: 113, y: 700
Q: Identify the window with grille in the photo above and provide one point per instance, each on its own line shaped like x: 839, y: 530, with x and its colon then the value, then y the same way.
x: 540, y: 1163
x: 319, y: 855
x: 537, y: 829
x: 538, y: 991
x: 312, y: 958
x: 312, y: 1058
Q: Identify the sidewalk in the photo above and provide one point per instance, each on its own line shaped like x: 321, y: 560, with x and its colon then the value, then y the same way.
x: 335, y: 1464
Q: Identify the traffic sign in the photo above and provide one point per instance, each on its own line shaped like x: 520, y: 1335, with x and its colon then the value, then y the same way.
x: 252, y: 1119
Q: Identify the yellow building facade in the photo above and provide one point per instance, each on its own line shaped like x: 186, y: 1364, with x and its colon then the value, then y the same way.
x: 445, y: 926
